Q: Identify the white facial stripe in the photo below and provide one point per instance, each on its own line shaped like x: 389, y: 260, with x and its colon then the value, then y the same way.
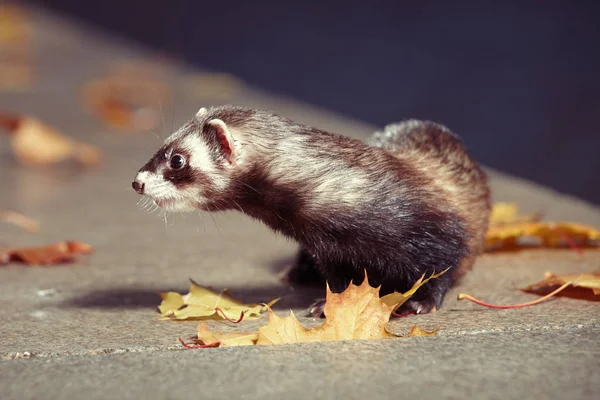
x: 200, y: 159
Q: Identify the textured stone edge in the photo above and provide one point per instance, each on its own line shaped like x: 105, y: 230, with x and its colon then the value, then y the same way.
x: 150, y: 349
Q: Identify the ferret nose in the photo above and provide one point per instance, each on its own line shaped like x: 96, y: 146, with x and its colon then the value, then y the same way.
x: 138, y: 187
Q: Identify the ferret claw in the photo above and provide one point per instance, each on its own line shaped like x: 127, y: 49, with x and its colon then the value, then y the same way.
x: 316, y: 310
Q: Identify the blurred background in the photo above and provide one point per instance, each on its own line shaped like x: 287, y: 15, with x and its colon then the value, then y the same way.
x: 518, y: 80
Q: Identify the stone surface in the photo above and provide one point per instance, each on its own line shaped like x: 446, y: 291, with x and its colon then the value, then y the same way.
x: 64, y: 319
x: 515, y: 365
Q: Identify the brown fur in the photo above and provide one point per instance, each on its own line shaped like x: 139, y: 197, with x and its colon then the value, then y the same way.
x: 459, y: 182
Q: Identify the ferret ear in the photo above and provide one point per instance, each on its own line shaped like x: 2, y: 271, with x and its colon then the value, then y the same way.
x: 226, y: 142
x: 201, y: 112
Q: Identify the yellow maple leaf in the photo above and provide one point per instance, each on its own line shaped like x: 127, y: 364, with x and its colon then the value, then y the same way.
x: 205, y: 335
x: 549, y: 234
x: 509, y: 230
x: 203, y: 303
x: 356, y: 313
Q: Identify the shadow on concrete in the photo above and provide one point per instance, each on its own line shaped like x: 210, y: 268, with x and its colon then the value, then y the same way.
x: 132, y: 298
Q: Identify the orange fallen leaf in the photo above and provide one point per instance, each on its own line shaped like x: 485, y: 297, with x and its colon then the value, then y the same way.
x: 356, y: 313
x: 36, y: 144
x: 61, y: 252
x: 582, y: 286
x: 20, y: 220
x: 416, y: 331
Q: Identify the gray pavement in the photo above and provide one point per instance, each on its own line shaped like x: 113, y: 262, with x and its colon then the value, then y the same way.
x: 90, y: 329
x: 519, y: 365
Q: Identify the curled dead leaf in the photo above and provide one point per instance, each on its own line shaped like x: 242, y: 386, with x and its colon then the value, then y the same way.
x: 36, y: 144
x: 61, y: 252
x: 584, y: 286
x: 203, y: 303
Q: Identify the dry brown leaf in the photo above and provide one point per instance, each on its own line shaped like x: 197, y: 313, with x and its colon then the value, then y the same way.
x: 582, y: 286
x: 130, y: 98
x: 356, y: 313
x: 61, y: 252
x: 416, y: 331
x: 37, y: 144
x: 202, y: 303
x: 20, y: 220
x: 585, y: 286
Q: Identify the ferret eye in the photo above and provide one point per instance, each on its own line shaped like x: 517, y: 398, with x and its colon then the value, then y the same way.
x: 177, y: 161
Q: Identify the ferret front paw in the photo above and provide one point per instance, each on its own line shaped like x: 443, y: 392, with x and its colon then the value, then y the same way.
x: 416, y: 307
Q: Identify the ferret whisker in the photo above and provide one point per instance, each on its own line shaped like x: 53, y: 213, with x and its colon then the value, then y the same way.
x: 173, y: 116
x: 238, y: 205
x: 155, y: 135
x: 162, y: 115
x: 216, y: 225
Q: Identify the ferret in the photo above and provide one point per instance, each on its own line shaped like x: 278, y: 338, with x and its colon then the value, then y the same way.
x: 407, y: 202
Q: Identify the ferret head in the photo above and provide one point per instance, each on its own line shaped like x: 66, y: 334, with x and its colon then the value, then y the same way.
x: 194, y: 167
